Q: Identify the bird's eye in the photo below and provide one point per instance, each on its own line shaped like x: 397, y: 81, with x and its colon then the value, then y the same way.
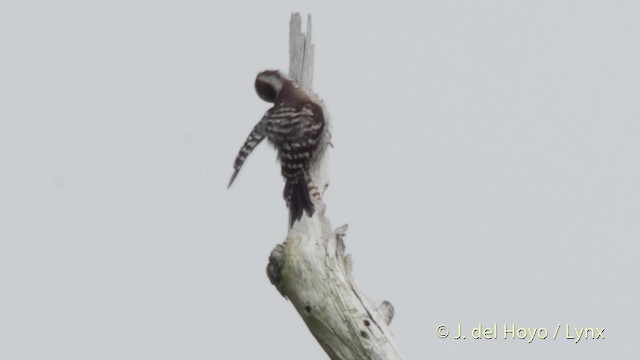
x: 266, y: 92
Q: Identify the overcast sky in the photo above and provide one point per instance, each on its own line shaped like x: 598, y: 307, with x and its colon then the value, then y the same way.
x: 486, y: 157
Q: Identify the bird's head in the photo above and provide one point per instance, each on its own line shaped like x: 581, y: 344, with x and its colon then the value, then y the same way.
x: 269, y: 83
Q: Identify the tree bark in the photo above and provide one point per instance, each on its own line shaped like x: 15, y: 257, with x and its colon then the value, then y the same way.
x: 311, y: 269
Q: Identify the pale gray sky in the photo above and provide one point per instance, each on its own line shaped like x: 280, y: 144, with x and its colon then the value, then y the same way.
x: 487, y: 160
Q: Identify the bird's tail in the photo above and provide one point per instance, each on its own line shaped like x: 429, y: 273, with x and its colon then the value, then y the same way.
x: 298, y: 198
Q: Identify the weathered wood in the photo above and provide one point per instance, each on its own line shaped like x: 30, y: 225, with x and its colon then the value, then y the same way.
x: 311, y: 268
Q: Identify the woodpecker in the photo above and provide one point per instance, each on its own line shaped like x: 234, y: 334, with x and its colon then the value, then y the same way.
x: 294, y: 126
